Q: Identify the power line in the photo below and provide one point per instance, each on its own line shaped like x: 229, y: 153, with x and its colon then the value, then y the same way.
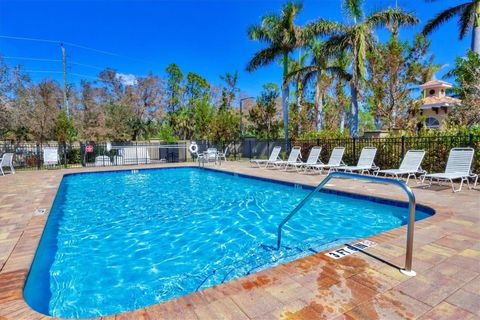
x: 71, y: 44
x: 87, y: 65
x: 32, y: 59
x: 61, y: 72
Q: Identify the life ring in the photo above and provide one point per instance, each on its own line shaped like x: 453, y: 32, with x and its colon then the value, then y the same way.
x: 193, y: 148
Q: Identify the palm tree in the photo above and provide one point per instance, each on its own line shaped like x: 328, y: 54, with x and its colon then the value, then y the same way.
x: 320, y: 69
x: 297, y: 80
x: 282, y: 36
x: 468, y: 14
x: 358, y: 38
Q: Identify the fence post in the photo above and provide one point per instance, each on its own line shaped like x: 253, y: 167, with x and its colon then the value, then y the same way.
x: 136, y: 151
x: 65, y: 155
x: 318, y: 142
x: 403, y: 146
x: 470, y: 140
x: 354, y: 151
x: 250, y: 147
x: 38, y: 157
x: 234, y: 149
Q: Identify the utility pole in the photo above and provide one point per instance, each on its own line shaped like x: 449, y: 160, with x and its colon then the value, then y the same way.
x: 64, y: 59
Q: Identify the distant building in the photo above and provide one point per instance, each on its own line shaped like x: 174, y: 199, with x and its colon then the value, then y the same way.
x: 435, y: 104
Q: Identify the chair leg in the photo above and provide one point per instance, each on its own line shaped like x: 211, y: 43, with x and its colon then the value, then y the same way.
x: 1, y: 170
x: 453, y: 187
x: 13, y: 170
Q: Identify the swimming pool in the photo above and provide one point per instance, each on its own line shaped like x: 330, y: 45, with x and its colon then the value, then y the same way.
x: 119, y: 241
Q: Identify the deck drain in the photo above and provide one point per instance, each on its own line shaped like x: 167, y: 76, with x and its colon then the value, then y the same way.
x: 39, y: 212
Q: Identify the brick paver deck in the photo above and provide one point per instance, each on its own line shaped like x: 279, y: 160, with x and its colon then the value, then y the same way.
x: 360, y: 286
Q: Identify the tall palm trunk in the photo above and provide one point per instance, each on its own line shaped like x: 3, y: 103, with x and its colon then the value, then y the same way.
x: 300, y: 107
x: 354, y: 112
x: 285, y: 94
x: 476, y: 29
x: 318, y: 104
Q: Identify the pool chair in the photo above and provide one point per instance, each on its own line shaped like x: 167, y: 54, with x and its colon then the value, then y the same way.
x: 274, y: 156
x: 334, y: 161
x: 293, y: 157
x: 101, y: 161
x: 312, y: 159
x: 458, y: 167
x: 6, y: 161
x: 410, y: 166
x: 365, y: 162
x: 223, y: 155
x: 211, y: 155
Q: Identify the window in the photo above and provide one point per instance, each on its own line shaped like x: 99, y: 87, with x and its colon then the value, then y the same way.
x: 432, y: 123
x: 431, y: 92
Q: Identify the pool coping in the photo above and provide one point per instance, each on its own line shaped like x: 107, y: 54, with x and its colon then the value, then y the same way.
x: 33, y: 242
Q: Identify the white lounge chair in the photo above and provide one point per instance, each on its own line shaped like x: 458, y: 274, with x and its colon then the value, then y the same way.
x: 7, y: 161
x: 334, y: 161
x: 312, y: 159
x: 274, y: 156
x: 459, y: 165
x: 365, y: 162
x: 102, y: 161
x: 293, y: 157
x: 223, y: 155
x: 211, y: 155
x: 410, y: 166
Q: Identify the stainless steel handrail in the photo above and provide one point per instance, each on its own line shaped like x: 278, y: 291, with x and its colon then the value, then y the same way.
x: 411, y: 207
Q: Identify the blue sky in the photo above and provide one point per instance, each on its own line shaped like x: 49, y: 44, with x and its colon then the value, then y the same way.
x: 207, y: 37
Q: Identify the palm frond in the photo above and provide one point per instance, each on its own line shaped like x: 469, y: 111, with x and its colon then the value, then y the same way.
x: 390, y: 17
x: 301, y: 72
x: 289, y: 12
x: 339, y: 72
x: 466, y: 21
x: 263, y: 57
x: 337, y: 44
x: 353, y: 8
x: 256, y: 32
x: 322, y: 27
x: 443, y: 17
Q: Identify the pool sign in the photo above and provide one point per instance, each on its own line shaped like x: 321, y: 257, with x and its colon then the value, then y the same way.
x: 89, y: 148
x: 350, y: 249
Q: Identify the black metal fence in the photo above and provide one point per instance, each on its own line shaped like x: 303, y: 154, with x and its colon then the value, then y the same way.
x: 390, y: 151
x: 389, y: 155
x: 54, y: 155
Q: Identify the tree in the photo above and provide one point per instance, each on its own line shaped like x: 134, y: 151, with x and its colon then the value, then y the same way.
x: 64, y: 128
x: 282, y: 36
x: 92, y: 116
x: 263, y: 115
x: 175, y: 88
x: 225, y: 127
x: 467, y: 75
x: 47, y: 102
x: 395, y: 69
x: 197, y: 89
x: 229, y: 91
x: 320, y: 69
x: 203, y: 118
x: 468, y: 14
x: 359, y: 38
x: 118, y: 122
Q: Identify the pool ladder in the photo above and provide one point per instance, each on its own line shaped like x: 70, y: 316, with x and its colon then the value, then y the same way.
x: 411, y: 207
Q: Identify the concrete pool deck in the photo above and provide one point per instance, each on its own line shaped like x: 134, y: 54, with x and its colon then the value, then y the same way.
x: 359, y: 286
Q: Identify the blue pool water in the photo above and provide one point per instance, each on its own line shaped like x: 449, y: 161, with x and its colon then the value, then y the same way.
x: 120, y: 241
